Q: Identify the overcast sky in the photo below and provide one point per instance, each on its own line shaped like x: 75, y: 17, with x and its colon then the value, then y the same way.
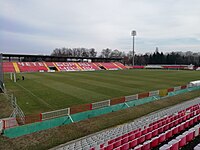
x: 39, y: 26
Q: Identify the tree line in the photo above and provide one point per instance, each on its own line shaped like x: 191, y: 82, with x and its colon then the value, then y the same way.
x: 140, y: 59
x: 85, y: 52
x: 178, y: 58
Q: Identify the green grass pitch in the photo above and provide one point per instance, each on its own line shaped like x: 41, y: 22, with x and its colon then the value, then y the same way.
x: 41, y: 92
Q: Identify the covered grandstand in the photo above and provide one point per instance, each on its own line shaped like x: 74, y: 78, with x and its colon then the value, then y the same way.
x: 40, y: 63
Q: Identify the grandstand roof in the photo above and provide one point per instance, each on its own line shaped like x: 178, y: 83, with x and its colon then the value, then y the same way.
x: 29, y: 57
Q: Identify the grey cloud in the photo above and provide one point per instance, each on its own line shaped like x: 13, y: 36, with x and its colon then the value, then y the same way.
x: 44, y: 25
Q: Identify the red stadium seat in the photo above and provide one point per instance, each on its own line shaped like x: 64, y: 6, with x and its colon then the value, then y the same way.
x: 154, y: 142
x: 162, y: 138
x: 133, y: 143
x: 131, y: 137
x: 8, y: 67
x: 141, y: 139
x: 182, y: 141
x: 148, y: 136
x: 124, y: 140
x: 169, y: 134
x: 117, y: 143
x: 190, y: 136
x: 31, y: 66
x: 146, y: 145
x: 125, y: 146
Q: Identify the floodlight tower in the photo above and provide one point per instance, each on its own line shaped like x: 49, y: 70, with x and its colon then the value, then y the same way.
x: 133, y: 33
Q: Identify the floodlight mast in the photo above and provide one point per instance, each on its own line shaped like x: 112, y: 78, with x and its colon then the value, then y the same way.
x: 133, y: 33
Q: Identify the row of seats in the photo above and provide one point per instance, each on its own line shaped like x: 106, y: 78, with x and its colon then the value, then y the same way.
x: 8, y: 67
x: 67, y: 66
x: 108, y: 66
x: 181, y: 140
x: 31, y: 66
x: 140, y: 132
x: 88, y: 66
x: 151, y: 136
x: 120, y: 65
x: 60, y: 66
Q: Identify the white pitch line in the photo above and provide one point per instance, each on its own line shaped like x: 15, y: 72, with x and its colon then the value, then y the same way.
x: 40, y: 99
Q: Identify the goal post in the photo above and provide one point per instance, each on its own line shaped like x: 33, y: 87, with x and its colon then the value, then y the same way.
x: 13, y: 76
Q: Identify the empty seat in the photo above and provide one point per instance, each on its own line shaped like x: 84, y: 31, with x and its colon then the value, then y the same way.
x: 8, y: 67
x: 31, y: 66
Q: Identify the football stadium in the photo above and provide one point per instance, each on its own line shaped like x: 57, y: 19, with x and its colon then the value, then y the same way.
x: 98, y: 104
x: 99, y: 75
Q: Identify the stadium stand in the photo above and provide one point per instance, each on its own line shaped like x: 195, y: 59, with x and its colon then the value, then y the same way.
x: 148, y: 132
x: 67, y: 66
x: 78, y: 66
x: 108, y: 66
x: 59, y: 66
x: 8, y: 67
x: 31, y: 66
x: 88, y: 66
x: 183, y: 139
x: 120, y: 65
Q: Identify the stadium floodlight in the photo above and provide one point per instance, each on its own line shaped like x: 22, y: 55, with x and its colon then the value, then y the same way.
x: 133, y: 33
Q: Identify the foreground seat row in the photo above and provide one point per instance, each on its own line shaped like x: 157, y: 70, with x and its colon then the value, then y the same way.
x: 144, y: 133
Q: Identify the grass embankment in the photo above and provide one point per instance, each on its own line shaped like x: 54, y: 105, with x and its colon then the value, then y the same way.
x: 41, y: 92
x: 52, y: 137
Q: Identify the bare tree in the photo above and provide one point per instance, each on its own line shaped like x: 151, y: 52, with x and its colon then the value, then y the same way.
x: 105, y: 53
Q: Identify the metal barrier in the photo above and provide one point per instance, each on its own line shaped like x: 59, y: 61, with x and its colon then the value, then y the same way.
x: 170, y: 89
x: 55, y: 114
x: 154, y: 93
x: 143, y: 95
x: 18, y: 119
x: 163, y: 92
x: 183, y: 86
x: 9, y: 123
x: 31, y: 118
x: 100, y: 104
x: 115, y: 101
x: 80, y: 108
x: 131, y: 97
x: 177, y: 88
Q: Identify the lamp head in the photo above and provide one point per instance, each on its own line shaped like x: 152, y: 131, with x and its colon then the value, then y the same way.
x: 133, y: 33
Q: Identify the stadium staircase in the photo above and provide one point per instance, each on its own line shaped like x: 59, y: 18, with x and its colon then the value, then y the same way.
x: 58, y: 69
x: 79, y: 67
x: 16, y: 67
x: 110, y: 66
x: 46, y: 66
x: 120, y: 65
x: 117, y: 65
